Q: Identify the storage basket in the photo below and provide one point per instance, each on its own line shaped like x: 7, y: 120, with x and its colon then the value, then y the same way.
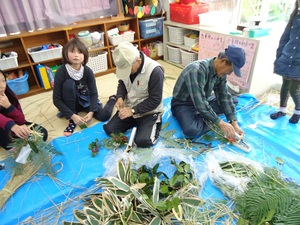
x: 190, y: 41
x: 43, y: 55
x: 188, y: 57
x: 176, y: 34
x: 19, y: 85
x: 98, y: 61
x: 174, y: 54
x: 9, y: 62
x: 187, y: 14
x: 117, y: 39
x: 151, y: 27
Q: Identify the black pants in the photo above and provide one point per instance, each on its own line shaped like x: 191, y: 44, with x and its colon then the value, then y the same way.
x: 6, y: 138
x: 148, y: 128
x: 71, y: 100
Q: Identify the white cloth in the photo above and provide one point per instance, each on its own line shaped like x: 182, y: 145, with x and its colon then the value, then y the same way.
x: 75, y: 74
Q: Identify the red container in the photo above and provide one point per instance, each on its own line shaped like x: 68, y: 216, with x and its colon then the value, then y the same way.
x: 187, y: 1
x: 187, y: 14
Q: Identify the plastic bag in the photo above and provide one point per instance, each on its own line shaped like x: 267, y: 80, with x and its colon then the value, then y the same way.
x: 23, y: 155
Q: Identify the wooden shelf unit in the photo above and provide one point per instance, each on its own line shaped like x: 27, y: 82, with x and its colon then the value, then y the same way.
x: 21, y: 42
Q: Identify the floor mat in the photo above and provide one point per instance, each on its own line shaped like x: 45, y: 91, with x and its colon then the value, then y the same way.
x: 269, y: 141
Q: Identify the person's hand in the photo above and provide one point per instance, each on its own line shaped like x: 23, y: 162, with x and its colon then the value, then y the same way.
x: 78, y: 120
x: 4, y: 102
x: 228, y: 129
x: 21, y: 131
x: 88, y: 117
x: 125, y: 113
x: 119, y: 103
x: 237, y: 129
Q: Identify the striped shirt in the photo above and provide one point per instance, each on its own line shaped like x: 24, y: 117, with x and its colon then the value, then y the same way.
x: 195, y: 85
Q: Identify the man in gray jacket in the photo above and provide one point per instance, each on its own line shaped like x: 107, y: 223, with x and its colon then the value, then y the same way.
x: 139, y: 95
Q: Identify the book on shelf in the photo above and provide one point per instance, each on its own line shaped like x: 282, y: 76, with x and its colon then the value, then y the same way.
x: 50, y: 76
x: 43, y: 76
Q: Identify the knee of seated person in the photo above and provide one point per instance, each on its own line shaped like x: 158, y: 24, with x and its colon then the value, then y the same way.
x: 191, y: 132
x: 106, y: 129
x: 69, y: 84
x: 143, y: 142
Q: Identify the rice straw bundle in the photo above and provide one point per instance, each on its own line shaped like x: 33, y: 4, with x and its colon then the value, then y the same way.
x: 17, y: 181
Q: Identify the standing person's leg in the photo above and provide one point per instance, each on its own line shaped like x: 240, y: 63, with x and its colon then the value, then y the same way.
x: 70, y: 99
x: 103, y: 114
x: 5, y: 139
x: 148, y: 129
x: 284, y: 96
x: 295, y: 93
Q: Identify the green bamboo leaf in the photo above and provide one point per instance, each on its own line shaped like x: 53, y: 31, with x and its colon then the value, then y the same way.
x: 92, y: 220
x: 155, y: 196
x: 108, y: 204
x: 71, y: 223
x: 193, y: 201
x: 79, y: 215
x: 86, y: 222
x: 121, y: 171
x: 128, y: 213
x: 97, y: 202
x: 138, y: 186
x: 135, y: 218
x: 91, y: 212
x: 119, y: 184
x: 156, y: 221
x: 148, y: 206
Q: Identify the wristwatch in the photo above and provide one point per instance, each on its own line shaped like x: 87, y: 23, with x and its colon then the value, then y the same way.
x: 230, y: 121
x: 133, y: 111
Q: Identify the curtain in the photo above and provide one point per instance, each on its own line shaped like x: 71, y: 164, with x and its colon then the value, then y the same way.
x: 30, y: 15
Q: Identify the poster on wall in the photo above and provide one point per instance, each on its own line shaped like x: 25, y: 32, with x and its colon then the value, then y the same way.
x: 249, y: 47
x: 210, y: 44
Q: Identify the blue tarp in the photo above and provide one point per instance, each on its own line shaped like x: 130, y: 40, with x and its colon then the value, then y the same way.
x: 268, y: 138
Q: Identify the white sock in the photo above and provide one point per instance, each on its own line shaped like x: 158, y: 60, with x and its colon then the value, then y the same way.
x: 283, y: 109
x: 297, y: 112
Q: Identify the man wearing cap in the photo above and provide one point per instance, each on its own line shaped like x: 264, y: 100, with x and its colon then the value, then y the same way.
x: 139, y: 95
x: 191, y: 104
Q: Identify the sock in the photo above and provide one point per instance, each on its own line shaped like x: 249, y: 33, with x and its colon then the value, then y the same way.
x: 283, y: 109
x: 295, y: 117
x: 70, y: 129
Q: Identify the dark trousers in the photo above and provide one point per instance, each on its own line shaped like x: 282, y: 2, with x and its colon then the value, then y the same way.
x: 148, y: 128
x: 190, y: 121
x: 6, y: 138
x: 71, y: 99
x: 290, y: 87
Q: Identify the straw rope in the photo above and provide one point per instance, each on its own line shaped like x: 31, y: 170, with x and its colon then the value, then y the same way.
x: 17, y: 181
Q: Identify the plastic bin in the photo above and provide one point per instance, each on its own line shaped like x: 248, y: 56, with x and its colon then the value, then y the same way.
x: 187, y: 14
x: 191, y: 41
x: 176, y: 34
x: 151, y: 27
x: 19, y: 85
x: 9, y: 62
x: 43, y: 55
x: 174, y: 54
x: 98, y: 61
x: 188, y: 57
x: 117, y: 39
